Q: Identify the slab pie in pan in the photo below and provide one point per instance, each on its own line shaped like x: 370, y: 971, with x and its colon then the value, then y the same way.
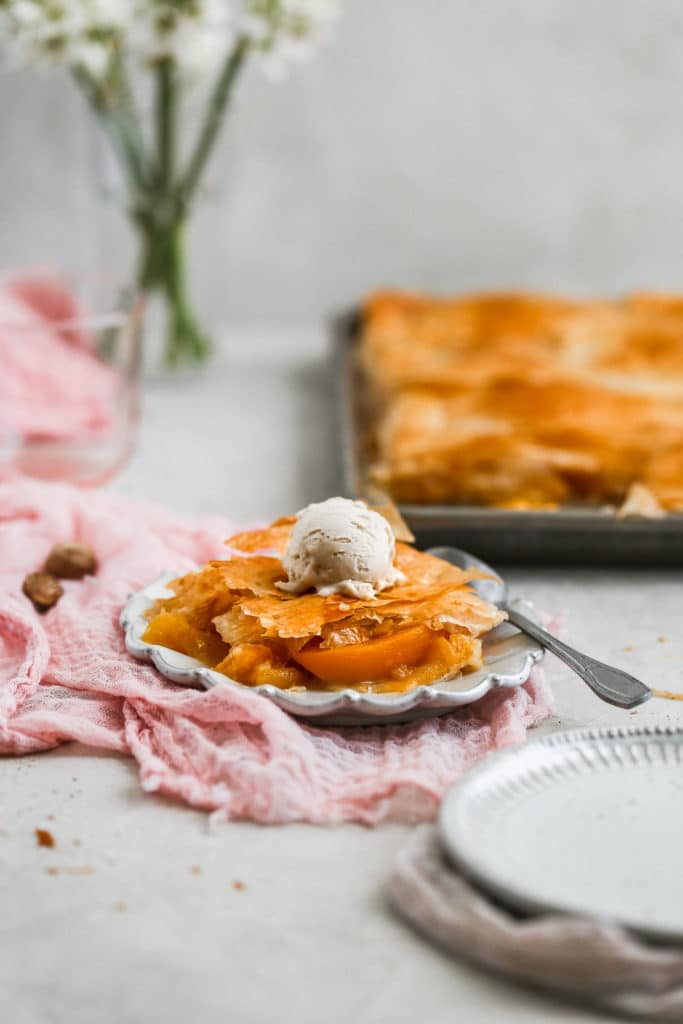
x: 525, y: 427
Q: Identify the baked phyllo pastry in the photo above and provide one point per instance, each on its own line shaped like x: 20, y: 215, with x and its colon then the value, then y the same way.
x: 327, y: 599
x: 526, y: 401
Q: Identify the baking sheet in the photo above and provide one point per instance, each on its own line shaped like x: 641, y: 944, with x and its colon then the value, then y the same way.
x: 566, y: 536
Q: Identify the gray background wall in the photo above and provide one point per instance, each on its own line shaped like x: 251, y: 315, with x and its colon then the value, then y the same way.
x: 443, y: 144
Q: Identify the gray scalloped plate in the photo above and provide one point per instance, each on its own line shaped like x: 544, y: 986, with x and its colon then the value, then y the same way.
x: 508, y: 659
x: 585, y: 822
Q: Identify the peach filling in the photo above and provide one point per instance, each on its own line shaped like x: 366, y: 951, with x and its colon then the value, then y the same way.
x: 398, y: 661
x: 172, y: 630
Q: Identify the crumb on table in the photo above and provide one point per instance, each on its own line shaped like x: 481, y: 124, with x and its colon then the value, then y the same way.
x: 44, y: 837
x: 79, y: 869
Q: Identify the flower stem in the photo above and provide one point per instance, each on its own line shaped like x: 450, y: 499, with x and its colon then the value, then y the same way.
x: 128, y: 113
x: 162, y: 222
x: 163, y: 269
x: 218, y: 101
x: 185, y: 331
x: 161, y: 193
x: 166, y: 125
x: 126, y: 143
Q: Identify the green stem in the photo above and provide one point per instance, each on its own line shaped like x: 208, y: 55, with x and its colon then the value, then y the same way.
x: 207, y: 135
x: 163, y: 270
x: 155, y: 215
x: 186, y: 332
x: 129, y: 115
x: 150, y: 258
x: 160, y: 196
x: 164, y: 265
x: 166, y: 126
x: 103, y: 100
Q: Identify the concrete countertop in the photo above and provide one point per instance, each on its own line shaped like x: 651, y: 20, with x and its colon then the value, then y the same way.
x: 153, y: 915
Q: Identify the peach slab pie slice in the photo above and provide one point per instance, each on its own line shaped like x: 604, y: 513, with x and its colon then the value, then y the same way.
x: 421, y: 647
x: 232, y: 616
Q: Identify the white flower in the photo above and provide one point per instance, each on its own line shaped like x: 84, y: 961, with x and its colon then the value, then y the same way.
x: 113, y: 13
x: 196, y: 34
x: 266, y: 22
x: 92, y: 57
x: 26, y: 14
x: 284, y: 31
x: 78, y: 33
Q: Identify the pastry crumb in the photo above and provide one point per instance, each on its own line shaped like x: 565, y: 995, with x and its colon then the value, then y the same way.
x: 195, y: 869
x: 44, y: 838
x: 239, y: 886
x: 80, y: 869
x: 120, y: 906
x: 640, y: 502
x: 629, y: 648
x: 661, y: 639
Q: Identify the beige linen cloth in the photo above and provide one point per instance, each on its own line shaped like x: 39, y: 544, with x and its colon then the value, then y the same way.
x: 594, y: 961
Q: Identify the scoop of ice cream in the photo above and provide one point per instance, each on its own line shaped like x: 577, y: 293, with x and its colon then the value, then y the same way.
x: 340, y: 546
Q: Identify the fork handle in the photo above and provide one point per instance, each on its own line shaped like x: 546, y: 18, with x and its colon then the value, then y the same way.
x: 610, y: 684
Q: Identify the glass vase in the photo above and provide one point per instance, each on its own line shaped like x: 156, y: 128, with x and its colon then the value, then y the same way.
x: 148, y: 244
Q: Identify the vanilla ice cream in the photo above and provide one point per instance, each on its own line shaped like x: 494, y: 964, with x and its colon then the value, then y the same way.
x: 340, y: 546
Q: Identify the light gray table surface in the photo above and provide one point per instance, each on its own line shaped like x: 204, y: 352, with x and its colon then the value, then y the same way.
x: 155, y: 930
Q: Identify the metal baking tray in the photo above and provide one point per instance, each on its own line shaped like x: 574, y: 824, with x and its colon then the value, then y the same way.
x: 570, y: 535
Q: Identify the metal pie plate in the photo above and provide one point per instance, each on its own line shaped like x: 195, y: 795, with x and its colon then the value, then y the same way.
x: 586, y: 822
x: 508, y: 659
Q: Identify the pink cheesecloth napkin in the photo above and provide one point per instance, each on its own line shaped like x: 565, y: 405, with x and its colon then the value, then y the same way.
x: 52, y: 386
x: 66, y: 675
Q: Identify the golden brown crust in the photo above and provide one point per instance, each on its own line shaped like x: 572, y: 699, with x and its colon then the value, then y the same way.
x: 525, y: 400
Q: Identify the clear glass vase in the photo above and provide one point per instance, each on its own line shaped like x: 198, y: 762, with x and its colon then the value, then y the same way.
x: 149, y: 246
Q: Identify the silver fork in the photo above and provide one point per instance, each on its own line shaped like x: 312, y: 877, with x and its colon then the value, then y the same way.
x: 607, y: 682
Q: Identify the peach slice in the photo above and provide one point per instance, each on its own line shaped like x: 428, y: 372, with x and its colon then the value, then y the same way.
x: 367, y: 661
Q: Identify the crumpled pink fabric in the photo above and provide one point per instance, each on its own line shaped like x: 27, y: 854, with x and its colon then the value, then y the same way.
x: 52, y: 386
x: 66, y: 675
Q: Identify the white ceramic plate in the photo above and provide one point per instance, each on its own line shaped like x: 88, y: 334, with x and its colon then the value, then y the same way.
x: 508, y: 658
x: 583, y: 822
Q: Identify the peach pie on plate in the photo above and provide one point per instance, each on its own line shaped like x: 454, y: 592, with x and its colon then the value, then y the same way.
x: 333, y: 618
